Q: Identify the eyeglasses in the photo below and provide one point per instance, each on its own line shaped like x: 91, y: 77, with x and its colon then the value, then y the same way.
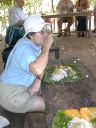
x: 45, y: 30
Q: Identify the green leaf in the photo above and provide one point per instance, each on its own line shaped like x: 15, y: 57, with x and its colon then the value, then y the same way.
x: 70, y: 78
x: 60, y: 120
x: 93, y: 122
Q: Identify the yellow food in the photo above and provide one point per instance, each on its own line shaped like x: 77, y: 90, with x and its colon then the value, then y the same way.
x: 72, y: 113
x: 88, y: 113
x: 61, y: 66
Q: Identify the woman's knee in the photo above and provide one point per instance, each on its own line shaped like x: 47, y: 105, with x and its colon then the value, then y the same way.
x: 37, y: 105
x: 40, y: 104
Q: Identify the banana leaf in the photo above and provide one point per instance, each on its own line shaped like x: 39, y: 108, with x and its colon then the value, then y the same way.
x: 63, y: 117
x: 70, y: 78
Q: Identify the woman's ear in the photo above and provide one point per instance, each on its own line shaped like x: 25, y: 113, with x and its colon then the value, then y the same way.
x: 31, y: 36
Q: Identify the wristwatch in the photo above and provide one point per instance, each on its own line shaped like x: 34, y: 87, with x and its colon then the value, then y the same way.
x: 38, y: 78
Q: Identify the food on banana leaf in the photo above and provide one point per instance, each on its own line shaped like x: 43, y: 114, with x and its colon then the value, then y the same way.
x: 62, y: 73
x: 72, y: 113
x: 89, y: 114
x: 75, y: 118
x: 79, y: 123
x: 58, y: 74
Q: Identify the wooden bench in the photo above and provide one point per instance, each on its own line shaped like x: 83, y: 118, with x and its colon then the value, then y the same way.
x: 36, y: 120
x: 25, y: 120
x: 55, y: 49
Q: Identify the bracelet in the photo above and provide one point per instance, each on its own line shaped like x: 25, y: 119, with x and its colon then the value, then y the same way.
x: 38, y: 78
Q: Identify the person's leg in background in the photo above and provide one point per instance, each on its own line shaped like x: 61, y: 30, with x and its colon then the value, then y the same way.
x: 78, y: 26
x: 59, y: 23
x: 81, y: 27
x: 70, y: 21
x: 84, y: 25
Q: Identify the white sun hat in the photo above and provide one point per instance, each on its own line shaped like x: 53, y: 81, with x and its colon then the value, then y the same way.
x: 34, y: 23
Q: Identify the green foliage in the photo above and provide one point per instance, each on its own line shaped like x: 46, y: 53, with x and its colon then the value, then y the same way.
x: 31, y: 6
x: 7, y: 3
x: 94, y: 122
x: 92, y: 2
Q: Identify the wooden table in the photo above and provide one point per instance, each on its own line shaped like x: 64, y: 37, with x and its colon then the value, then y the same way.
x: 75, y: 14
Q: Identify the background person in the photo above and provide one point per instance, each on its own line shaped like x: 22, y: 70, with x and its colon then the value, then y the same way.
x: 64, y: 6
x: 16, y: 19
x: 21, y: 80
x: 15, y: 30
x: 81, y: 6
x: 16, y: 14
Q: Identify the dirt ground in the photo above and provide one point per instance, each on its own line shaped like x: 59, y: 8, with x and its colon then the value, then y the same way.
x: 78, y: 94
x: 70, y: 95
x: 82, y: 47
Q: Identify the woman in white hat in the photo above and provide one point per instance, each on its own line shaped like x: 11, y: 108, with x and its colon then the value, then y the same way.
x: 21, y: 80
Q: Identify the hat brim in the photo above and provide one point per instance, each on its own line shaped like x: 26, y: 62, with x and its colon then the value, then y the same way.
x: 35, y: 29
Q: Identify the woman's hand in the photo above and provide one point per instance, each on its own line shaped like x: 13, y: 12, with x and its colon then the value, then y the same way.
x: 35, y: 88
x: 48, y: 42
x: 34, y: 91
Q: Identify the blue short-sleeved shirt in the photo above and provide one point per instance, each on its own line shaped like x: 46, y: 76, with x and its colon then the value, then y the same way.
x: 17, y: 68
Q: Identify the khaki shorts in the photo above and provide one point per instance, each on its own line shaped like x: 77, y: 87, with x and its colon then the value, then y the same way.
x: 16, y: 98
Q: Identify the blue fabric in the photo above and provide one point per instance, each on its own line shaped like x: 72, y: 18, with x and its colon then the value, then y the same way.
x: 17, y: 66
